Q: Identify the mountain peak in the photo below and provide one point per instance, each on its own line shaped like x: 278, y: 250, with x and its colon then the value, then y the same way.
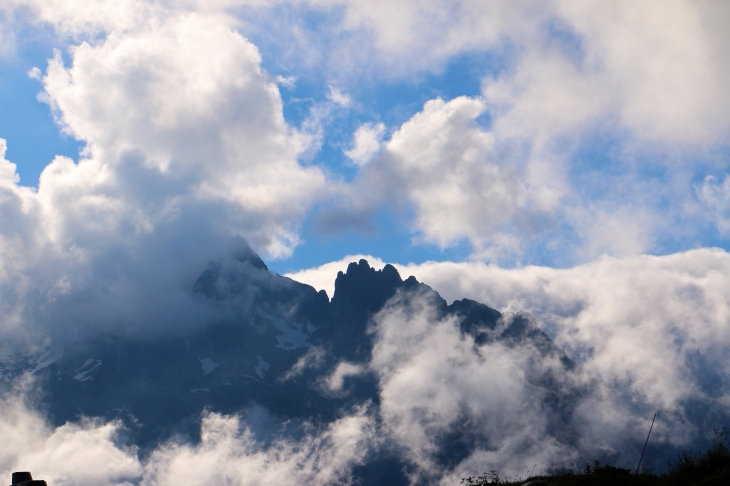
x: 364, y: 287
x: 241, y: 251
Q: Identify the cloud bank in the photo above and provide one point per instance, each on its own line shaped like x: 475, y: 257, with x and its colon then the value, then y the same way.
x: 648, y: 333
x: 92, y: 452
x: 492, y: 401
x: 653, y: 327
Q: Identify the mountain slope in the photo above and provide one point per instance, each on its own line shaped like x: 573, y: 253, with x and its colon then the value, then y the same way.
x: 279, y: 346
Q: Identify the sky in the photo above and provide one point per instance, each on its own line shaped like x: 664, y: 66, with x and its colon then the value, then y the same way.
x: 568, y: 159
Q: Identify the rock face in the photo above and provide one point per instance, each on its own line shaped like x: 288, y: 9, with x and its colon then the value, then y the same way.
x: 263, y: 325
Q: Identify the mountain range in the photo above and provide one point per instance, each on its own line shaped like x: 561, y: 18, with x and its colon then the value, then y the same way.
x: 280, y: 354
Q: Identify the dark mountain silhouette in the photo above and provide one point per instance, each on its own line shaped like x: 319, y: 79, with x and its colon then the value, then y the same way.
x: 263, y: 325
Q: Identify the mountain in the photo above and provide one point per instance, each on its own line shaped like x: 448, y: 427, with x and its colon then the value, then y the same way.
x: 273, y: 343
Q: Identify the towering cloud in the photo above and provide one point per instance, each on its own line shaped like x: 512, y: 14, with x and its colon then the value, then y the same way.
x: 444, y: 167
x: 186, y: 146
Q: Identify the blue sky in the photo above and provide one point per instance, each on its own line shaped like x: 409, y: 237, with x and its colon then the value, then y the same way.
x: 27, y: 124
x: 391, y: 103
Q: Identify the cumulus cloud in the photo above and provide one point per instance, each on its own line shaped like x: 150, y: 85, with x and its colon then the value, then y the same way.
x: 366, y: 142
x: 185, y: 147
x: 567, y: 74
x: 579, y: 63
x: 649, y: 54
x: 454, y: 185
x: 200, y: 103
x: 443, y: 166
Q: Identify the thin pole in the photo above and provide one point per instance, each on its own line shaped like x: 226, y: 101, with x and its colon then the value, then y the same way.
x: 645, y: 444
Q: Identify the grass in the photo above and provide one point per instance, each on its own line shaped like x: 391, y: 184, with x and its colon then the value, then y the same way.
x: 709, y: 468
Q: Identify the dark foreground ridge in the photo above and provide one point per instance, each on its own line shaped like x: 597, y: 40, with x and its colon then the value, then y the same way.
x: 24, y: 478
x: 261, y: 324
x: 708, y: 468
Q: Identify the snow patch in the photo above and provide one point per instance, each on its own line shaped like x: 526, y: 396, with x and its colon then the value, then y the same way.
x: 292, y: 336
x: 53, y: 355
x: 83, y: 376
x: 86, y: 363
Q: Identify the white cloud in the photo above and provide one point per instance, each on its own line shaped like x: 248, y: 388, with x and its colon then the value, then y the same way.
x: 88, y: 452
x: 574, y: 63
x: 35, y: 73
x: 228, y: 453
x: 366, y: 142
x: 652, y: 53
x: 432, y: 377
x: 79, y: 19
x: 336, y: 380
x: 640, y: 321
x: 338, y: 97
x: 612, y: 69
x: 186, y: 147
x: 645, y: 330
x: 314, y: 357
x: 204, y: 116
x: 622, y: 232
x: 400, y: 38
x: 649, y: 333
x: 566, y: 74
x: 289, y: 82
x: 443, y: 166
x: 716, y: 196
x: 650, y: 79
x: 579, y: 62
x: 92, y: 452
x: 573, y: 66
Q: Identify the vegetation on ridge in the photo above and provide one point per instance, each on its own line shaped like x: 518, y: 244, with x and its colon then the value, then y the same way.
x: 709, y: 468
